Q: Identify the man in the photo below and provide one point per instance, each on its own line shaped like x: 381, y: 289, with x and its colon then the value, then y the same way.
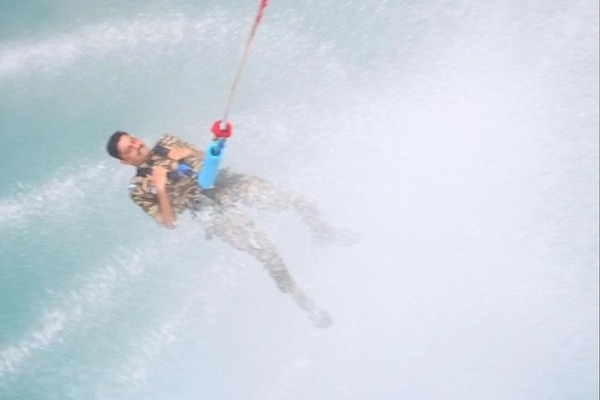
x: 165, y: 185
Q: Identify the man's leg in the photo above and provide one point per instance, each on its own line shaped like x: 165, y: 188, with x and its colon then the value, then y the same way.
x: 241, y: 232
x: 260, y: 193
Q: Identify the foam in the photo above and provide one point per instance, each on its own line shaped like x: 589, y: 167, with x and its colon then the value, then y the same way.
x: 58, y: 194
x: 100, y: 40
x: 203, y: 294
x: 96, y: 290
x: 11, y: 357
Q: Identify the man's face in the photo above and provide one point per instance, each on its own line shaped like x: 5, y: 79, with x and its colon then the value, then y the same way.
x: 132, y: 150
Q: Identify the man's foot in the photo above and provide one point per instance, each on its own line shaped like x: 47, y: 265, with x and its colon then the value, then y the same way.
x: 319, y: 318
x: 341, y: 237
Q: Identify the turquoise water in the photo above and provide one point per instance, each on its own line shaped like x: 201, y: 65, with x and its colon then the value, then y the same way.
x: 459, y: 138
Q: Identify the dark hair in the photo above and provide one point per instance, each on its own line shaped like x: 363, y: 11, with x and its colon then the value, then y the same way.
x: 111, y: 146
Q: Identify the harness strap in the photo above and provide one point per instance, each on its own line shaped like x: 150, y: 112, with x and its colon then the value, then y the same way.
x: 183, y: 169
x: 146, y: 171
x: 160, y: 150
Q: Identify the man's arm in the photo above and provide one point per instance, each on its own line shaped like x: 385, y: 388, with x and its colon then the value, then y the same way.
x: 159, y: 179
x: 167, y: 216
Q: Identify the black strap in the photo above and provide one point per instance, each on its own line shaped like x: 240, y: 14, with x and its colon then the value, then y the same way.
x: 147, y: 171
x: 161, y: 150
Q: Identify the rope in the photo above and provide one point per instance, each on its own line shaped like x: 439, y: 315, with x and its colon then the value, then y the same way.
x: 242, y: 64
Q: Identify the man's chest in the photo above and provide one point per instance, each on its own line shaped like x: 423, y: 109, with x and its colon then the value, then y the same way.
x: 164, y: 162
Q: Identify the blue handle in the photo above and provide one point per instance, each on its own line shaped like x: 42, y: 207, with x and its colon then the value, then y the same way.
x: 216, y: 150
x: 212, y: 160
x: 185, y: 169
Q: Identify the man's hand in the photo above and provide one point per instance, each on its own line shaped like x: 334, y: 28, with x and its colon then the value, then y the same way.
x: 179, y: 153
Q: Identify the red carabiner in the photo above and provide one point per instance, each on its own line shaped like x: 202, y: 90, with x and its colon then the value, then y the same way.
x: 221, y: 133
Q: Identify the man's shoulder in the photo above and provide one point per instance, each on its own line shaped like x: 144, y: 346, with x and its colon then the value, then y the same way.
x: 168, y: 140
x: 139, y: 186
x: 143, y: 194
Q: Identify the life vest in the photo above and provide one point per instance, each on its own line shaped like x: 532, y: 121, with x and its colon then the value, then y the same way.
x: 183, y: 169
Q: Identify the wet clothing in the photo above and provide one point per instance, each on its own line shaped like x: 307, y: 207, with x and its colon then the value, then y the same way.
x: 218, y: 208
x: 180, y: 191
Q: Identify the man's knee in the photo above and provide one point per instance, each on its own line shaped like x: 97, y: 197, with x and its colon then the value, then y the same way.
x: 277, y: 270
x: 283, y: 279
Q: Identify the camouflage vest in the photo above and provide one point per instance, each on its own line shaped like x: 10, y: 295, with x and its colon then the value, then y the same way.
x: 182, y: 189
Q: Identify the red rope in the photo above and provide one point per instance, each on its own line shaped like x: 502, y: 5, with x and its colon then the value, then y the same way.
x: 259, y: 15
